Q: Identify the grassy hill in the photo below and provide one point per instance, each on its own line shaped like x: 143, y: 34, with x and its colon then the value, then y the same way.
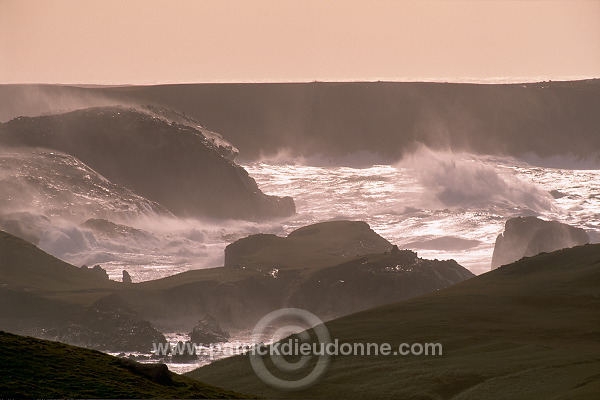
x: 34, y: 368
x: 24, y: 267
x: 528, y: 330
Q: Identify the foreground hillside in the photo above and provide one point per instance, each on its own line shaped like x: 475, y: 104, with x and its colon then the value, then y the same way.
x: 528, y: 330
x: 34, y: 368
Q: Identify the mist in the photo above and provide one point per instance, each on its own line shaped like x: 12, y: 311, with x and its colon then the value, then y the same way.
x: 459, y: 179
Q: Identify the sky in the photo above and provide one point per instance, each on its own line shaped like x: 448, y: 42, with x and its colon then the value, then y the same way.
x: 173, y: 41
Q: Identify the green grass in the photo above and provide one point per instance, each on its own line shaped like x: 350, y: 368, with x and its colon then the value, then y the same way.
x: 34, y: 368
x: 528, y: 330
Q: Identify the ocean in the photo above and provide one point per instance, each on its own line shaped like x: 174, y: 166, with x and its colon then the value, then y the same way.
x: 442, y: 205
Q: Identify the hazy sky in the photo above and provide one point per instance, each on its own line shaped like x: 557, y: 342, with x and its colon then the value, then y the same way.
x: 150, y: 41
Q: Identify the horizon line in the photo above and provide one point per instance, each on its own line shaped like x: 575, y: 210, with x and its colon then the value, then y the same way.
x: 463, y: 80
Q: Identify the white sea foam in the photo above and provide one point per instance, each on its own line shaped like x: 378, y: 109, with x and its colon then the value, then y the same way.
x: 428, y: 195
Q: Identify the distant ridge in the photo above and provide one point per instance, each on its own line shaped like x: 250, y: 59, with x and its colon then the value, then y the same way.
x: 334, y: 119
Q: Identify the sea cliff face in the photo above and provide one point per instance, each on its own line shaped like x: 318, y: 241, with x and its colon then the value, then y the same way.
x: 172, y: 164
x: 529, y: 236
x: 381, y: 119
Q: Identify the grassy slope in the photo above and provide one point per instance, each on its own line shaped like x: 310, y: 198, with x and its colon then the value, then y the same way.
x: 528, y: 330
x: 25, y: 267
x: 35, y: 368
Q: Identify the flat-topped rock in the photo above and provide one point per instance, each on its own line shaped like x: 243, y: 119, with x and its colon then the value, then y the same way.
x: 320, y: 244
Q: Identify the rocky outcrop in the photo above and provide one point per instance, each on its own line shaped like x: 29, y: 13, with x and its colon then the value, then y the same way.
x: 109, y: 324
x: 126, y: 277
x: 318, y: 244
x: 224, y: 148
x: 208, y: 331
x: 184, y: 352
x: 47, y: 180
x: 528, y: 236
x: 45, y: 297
x: 96, y: 270
x: 158, y: 373
x: 166, y: 162
x: 371, y: 281
x: 332, y: 269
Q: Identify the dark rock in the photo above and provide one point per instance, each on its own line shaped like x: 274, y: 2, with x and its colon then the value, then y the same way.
x: 221, y: 145
x: 208, y: 331
x: 126, y: 277
x: 319, y: 244
x: 372, y: 281
x: 184, y: 352
x: 158, y: 373
x: 109, y: 324
x: 557, y: 194
x: 529, y: 236
x: 169, y: 163
x: 314, y: 268
x: 97, y: 271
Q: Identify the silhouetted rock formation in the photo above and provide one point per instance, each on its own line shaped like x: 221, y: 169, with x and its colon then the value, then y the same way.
x: 528, y: 236
x: 322, y: 268
x: 126, y: 277
x: 307, y: 246
x: 332, y: 268
x: 109, y: 324
x: 184, y: 352
x: 158, y: 373
x: 46, y: 180
x: 172, y: 164
x: 97, y: 271
x: 46, y: 297
x: 208, y: 331
x: 224, y: 148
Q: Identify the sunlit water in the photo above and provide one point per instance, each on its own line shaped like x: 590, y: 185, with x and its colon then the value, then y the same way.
x: 428, y: 195
x: 406, y: 205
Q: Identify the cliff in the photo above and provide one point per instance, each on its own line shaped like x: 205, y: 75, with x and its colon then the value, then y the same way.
x: 172, y: 164
x: 529, y: 236
x: 383, y: 118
